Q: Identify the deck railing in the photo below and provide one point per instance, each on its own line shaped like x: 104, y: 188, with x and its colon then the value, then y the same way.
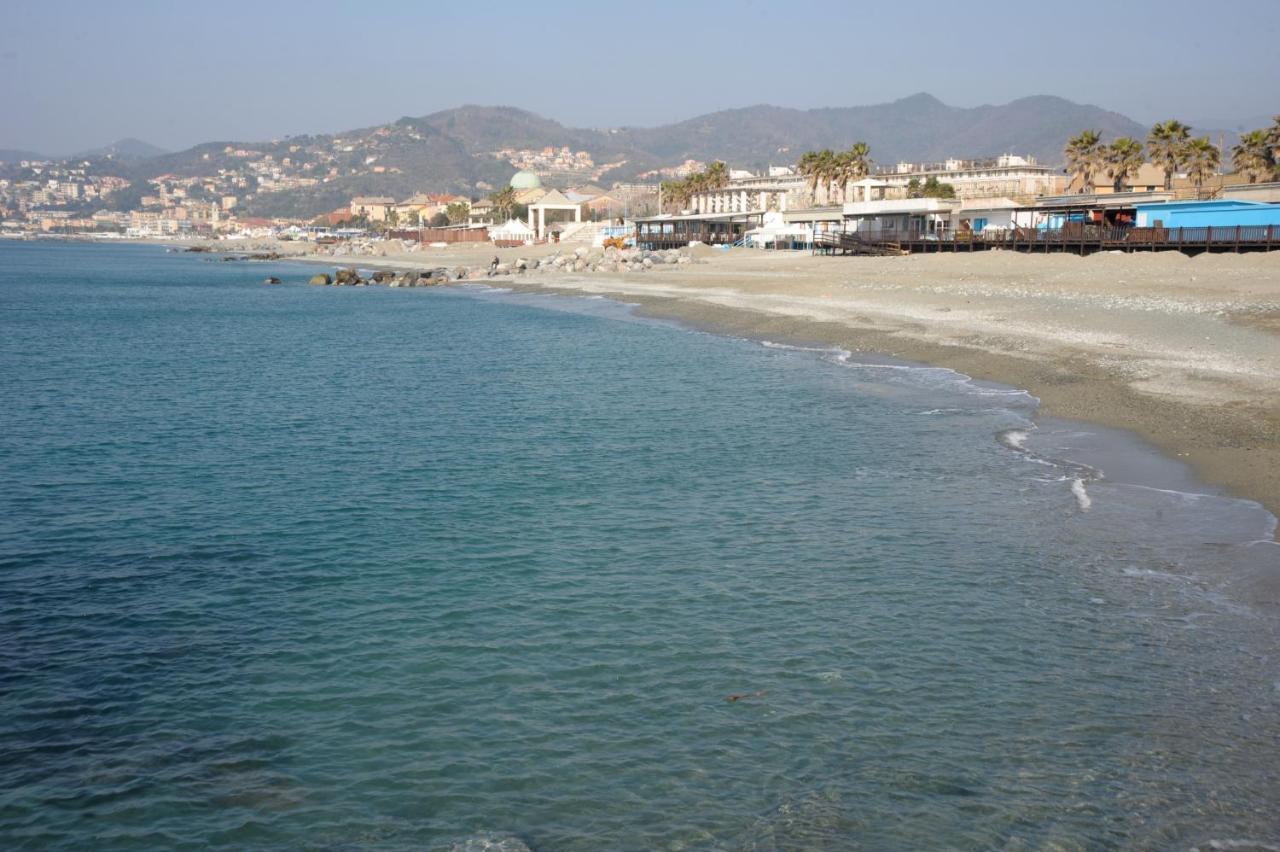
x: 1074, y: 236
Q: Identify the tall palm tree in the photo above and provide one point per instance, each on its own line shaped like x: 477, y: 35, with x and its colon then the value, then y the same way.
x: 827, y: 171
x: 1123, y: 157
x: 1202, y: 159
x: 856, y: 162
x: 1252, y: 156
x: 841, y: 171
x: 717, y: 175
x: 504, y: 201
x: 1084, y: 153
x: 808, y: 168
x: 672, y: 194
x: 1166, y: 143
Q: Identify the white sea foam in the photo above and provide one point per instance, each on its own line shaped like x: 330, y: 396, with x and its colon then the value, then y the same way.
x: 1233, y: 843
x: 1082, y: 496
x: 1014, y: 439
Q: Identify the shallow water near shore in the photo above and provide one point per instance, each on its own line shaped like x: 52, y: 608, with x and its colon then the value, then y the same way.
x: 317, y: 567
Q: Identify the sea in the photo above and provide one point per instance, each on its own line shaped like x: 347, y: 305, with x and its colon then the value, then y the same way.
x: 461, y: 568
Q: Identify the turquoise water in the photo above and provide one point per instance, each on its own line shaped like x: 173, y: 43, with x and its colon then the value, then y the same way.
x: 335, y: 568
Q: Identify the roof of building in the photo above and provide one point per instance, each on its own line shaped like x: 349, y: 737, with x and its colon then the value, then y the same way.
x: 528, y: 196
x: 554, y: 198
x: 525, y: 180
x: 703, y: 217
x: 814, y: 214
x: 1106, y: 200
x: 1209, y: 204
x: 892, y: 206
x: 368, y: 200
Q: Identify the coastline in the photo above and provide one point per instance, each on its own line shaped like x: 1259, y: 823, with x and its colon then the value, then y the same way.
x: 1183, y: 352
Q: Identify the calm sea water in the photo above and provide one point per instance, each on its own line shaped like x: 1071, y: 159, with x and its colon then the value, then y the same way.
x: 335, y: 568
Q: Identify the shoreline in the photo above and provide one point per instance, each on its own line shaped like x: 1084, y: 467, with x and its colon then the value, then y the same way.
x: 1182, y: 352
x: 1217, y: 410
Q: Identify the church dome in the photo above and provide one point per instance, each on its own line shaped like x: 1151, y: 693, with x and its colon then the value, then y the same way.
x: 526, y: 180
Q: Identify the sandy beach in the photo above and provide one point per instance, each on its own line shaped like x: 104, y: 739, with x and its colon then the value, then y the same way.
x: 1183, y: 351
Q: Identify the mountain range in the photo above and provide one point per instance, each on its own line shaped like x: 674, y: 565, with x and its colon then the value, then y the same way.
x: 122, y: 149
x: 452, y: 150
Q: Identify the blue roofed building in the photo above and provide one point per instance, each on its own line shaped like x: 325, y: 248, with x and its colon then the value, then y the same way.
x: 1224, y: 213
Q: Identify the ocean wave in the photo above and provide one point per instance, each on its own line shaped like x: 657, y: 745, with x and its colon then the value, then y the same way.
x: 1081, y: 494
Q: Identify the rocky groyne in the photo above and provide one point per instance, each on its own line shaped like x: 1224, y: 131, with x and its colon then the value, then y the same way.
x: 582, y: 260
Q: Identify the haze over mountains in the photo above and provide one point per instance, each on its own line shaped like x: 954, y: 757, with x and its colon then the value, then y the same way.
x: 452, y: 150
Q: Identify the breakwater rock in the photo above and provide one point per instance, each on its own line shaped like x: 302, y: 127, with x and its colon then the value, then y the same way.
x: 580, y: 261
x: 587, y: 260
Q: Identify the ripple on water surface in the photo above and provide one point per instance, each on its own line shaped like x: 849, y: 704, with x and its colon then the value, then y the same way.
x: 297, y: 566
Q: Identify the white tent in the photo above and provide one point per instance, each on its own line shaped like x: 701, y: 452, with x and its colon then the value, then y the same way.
x: 774, y: 230
x: 513, y: 230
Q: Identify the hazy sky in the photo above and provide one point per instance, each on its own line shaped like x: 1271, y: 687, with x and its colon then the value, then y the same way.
x: 80, y: 74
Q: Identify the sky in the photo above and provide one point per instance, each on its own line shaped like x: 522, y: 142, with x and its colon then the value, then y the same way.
x: 76, y: 75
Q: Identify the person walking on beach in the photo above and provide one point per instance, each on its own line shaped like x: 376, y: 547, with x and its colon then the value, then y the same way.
x: 493, y: 267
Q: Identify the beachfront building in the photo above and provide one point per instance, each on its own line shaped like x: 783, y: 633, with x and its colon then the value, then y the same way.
x: 1148, y: 178
x: 990, y: 215
x: 888, y: 218
x: 747, y: 195
x: 778, y: 233
x: 1005, y: 176
x: 553, y: 209
x: 1108, y: 208
x: 1226, y: 214
x: 374, y: 208
x: 1269, y: 192
x: 669, y: 231
x: 480, y: 213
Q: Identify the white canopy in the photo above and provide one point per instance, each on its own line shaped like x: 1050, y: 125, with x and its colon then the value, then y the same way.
x: 512, y: 229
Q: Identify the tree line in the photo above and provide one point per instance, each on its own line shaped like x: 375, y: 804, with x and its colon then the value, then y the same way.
x: 835, y: 169
x: 1171, y: 147
x: 676, y: 193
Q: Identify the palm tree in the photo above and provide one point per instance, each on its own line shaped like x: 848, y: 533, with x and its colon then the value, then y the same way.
x: 1083, y: 154
x: 861, y: 154
x: 827, y: 171
x: 1166, y: 143
x: 716, y: 175
x: 503, y: 201
x: 855, y: 163
x: 841, y: 171
x: 808, y: 168
x: 1202, y: 158
x: 1123, y: 157
x: 674, y: 194
x: 1252, y: 156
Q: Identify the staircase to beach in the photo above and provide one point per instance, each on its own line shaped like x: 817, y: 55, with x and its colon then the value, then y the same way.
x: 582, y: 233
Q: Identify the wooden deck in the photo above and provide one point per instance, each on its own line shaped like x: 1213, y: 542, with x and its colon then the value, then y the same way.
x: 1076, y: 239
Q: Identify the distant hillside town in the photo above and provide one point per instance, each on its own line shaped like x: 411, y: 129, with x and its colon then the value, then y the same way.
x: 301, y: 188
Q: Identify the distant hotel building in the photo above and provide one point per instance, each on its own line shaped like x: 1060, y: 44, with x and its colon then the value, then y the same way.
x: 1006, y: 176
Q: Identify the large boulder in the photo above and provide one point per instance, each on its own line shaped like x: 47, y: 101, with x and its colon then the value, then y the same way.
x: 321, y: 279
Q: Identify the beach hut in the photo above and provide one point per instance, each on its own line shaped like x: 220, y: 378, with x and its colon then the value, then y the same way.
x: 511, y: 233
